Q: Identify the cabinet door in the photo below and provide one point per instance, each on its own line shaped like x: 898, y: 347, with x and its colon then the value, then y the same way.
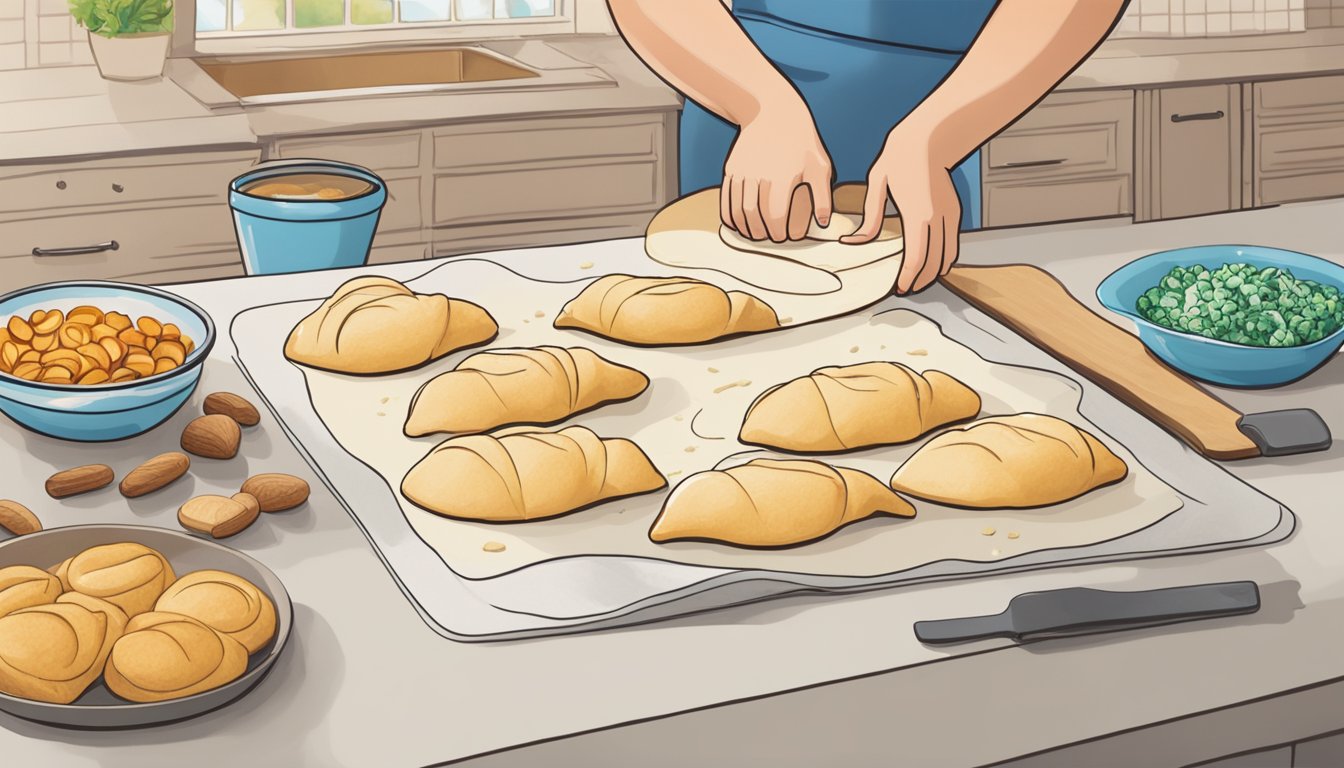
x: 1298, y: 135
x: 1195, y: 160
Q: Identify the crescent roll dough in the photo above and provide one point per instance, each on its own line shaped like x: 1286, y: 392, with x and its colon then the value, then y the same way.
x: 23, y: 586
x: 658, y: 311
x: 773, y: 503
x: 541, y: 385
x: 1027, y: 460
x: 528, y: 475
x: 224, y: 602
x: 54, y: 652
x: 377, y: 325
x: 131, y: 576
x: 856, y: 406
x: 167, y: 656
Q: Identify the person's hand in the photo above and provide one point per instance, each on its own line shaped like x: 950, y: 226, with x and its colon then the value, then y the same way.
x: 920, y: 185
x: 774, y: 155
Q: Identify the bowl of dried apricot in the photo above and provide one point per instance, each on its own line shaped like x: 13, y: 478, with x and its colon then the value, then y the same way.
x: 94, y: 361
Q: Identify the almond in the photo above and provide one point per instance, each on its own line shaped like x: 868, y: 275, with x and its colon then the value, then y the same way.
x: 233, y: 406
x: 154, y: 474
x: 249, y: 503
x: 218, y: 516
x: 18, y: 519
x: 277, y: 492
x: 79, y: 480
x: 215, y: 436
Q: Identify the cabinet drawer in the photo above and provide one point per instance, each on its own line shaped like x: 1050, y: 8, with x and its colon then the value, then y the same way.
x: 1009, y: 204
x: 1198, y: 150
x: 545, y: 142
x: 1308, y: 94
x: 1306, y: 186
x: 1067, y: 134
x: 126, y: 181
x: 543, y: 193
x: 154, y: 245
x: 377, y: 152
x: 1311, y: 146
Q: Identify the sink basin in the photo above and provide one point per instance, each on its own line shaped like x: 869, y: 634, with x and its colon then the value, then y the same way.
x: 397, y: 71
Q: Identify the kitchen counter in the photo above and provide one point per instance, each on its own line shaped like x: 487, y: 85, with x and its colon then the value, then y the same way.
x: 795, y: 681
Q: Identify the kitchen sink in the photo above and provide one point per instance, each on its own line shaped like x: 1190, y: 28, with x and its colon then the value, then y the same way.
x: 397, y: 71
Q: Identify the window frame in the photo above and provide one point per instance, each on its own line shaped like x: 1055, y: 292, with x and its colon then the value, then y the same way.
x: 186, y: 44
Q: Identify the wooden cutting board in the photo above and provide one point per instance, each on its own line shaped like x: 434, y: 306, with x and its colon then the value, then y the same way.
x: 1035, y: 305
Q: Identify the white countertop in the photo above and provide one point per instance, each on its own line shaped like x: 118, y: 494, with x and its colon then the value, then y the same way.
x: 366, y: 682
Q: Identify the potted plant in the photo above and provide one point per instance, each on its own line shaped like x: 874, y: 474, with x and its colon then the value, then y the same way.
x: 129, y: 38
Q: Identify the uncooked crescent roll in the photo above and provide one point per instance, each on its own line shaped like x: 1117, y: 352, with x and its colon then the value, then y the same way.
x: 130, y: 576
x: 659, y: 311
x: 1027, y: 460
x: 773, y: 503
x: 55, y: 652
x: 856, y: 406
x: 541, y: 385
x: 167, y: 656
x: 224, y: 602
x: 377, y: 325
x: 528, y: 475
x: 23, y: 586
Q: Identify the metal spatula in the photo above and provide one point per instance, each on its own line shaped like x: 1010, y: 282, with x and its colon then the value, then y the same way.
x: 1081, y: 610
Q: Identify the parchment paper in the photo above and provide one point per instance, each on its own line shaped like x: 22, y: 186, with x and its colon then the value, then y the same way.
x: 688, y: 421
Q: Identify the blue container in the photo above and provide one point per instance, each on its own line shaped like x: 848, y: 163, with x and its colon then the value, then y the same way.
x: 105, y: 411
x: 1219, y: 362
x: 278, y: 236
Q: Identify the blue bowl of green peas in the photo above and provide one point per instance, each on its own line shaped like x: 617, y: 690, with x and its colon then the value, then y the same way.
x: 1235, y: 315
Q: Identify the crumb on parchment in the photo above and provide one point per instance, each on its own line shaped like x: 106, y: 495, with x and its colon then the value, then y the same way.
x: 493, y: 546
x: 988, y: 532
x: 725, y: 387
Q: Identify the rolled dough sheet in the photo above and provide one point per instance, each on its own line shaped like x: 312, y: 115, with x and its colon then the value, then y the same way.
x: 688, y: 420
x: 688, y: 235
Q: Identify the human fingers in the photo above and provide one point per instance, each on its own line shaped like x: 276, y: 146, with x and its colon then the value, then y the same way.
x: 917, y: 237
x: 751, y: 210
x: 800, y: 212
x: 951, y: 243
x: 819, y: 185
x: 934, y: 261
x: 725, y: 202
x: 735, y: 187
x: 776, y: 200
x: 874, y: 206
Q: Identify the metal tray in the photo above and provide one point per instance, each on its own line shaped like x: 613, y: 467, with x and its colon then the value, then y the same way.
x: 98, y: 708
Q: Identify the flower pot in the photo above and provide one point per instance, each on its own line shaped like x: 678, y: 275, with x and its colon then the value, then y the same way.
x: 130, y: 57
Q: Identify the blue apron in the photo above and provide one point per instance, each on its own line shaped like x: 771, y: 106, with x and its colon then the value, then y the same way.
x: 861, y: 66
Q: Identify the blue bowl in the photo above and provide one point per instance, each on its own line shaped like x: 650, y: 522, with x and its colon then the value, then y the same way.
x: 278, y: 236
x: 94, y: 413
x: 1220, y: 362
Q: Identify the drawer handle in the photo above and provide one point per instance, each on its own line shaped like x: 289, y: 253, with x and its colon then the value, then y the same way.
x: 110, y: 245
x: 1035, y: 163
x: 1178, y: 118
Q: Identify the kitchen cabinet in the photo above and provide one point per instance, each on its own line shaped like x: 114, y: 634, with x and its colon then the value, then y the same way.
x: 470, y: 187
x: 167, y: 215
x: 1070, y: 157
x: 1189, y: 150
x: 1298, y: 139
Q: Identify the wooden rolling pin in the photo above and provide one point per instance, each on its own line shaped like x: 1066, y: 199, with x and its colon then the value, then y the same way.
x: 1034, y: 304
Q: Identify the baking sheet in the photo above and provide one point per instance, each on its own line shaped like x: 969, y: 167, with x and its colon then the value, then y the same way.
x: 687, y: 421
x: 1216, y: 511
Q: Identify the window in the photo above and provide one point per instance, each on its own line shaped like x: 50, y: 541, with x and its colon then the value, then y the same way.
x: 223, y: 18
